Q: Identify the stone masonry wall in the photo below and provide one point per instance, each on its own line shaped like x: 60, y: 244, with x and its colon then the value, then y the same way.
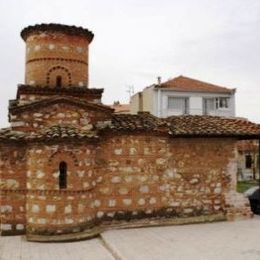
x: 123, y: 178
x: 12, y: 189
x: 64, y: 114
x: 49, y: 209
x: 149, y: 176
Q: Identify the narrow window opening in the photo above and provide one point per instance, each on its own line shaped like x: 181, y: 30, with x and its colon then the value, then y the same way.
x: 63, y: 175
x: 58, y: 81
x: 249, y: 161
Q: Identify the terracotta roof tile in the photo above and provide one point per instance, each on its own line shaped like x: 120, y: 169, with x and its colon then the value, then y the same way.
x: 175, y: 126
x: 186, y: 84
x: 62, y: 132
x: 207, y: 126
x: 47, y: 90
x: 54, y: 27
x: 140, y: 122
x: 211, y: 126
x: 15, y: 108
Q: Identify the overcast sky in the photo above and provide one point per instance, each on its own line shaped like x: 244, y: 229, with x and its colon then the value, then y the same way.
x: 216, y: 41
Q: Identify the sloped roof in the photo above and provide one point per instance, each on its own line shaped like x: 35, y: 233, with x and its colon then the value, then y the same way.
x: 186, y: 84
x: 59, y: 131
x: 194, y: 125
x: 58, y: 100
x: 141, y: 122
x: 49, y: 133
x: 175, y: 126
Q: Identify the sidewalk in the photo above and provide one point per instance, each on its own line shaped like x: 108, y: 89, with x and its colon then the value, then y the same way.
x: 222, y: 240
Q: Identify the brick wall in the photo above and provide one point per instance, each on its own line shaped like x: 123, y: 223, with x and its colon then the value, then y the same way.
x: 56, y: 114
x: 124, y: 178
x: 51, y: 54
x: 12, y: 189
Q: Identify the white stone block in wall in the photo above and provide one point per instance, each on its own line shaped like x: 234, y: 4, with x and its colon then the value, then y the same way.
x: 116, y: 179
x: 35, y: 208
x: 6, y: 208
x: 123, y: 191
x: 112, y: 203
x: 68, y: 209
x: 69, y: 221
x: 127, y: 202
x: 97, y: 203
x: 81, y: 173
x: 41, y: 221
x: 50, y: 208
x: 100, y: 214
x: 144, y: 189
x: 40, y: 174
x: 141, y: 201
x: 118, y: 151
x: 6, y: 227
x: 85, y: 185
x: 19, y: 227
x: 152, y: 200
x: 10, y: 183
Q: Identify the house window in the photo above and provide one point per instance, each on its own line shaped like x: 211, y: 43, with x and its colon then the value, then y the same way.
x: 208, y: 105
x: 222, y: 102
x: 58, y: 81
x: 179, y: 103
x: 63, y: 175
x: 249, y: 161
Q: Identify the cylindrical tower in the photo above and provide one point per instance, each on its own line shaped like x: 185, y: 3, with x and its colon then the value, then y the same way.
x: 56, y: 55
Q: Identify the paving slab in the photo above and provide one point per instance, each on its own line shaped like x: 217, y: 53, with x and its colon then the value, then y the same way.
x: 239, y: 240
x: 16, y: 247
x: 212, y: 241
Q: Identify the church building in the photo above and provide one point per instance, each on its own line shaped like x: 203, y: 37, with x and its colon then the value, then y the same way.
x: 70, y: 167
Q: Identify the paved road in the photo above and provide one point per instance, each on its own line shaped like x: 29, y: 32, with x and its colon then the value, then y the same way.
x: 216, y: 241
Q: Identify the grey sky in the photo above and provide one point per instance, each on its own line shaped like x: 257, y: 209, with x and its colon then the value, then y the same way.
x: 217, y: 41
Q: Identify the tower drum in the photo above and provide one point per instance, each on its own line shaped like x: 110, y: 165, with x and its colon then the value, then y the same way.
x: 56, y: 55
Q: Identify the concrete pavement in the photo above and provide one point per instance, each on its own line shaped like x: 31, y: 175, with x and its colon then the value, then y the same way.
x: 216, y: 241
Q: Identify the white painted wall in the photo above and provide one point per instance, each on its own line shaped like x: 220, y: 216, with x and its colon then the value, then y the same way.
x: 155, y: 101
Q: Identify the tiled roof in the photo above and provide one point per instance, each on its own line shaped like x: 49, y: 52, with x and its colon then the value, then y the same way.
x: 15, y: 108
x: 175, y: 126
x: 46, y: 90
x: 49, y: 133
x: 186, y: 84
x: 54, y: 27
x: 63, y: 132
x: 141, y: 122
x: 211, y: 126
x: 186, y: 125
x: 9, y: 134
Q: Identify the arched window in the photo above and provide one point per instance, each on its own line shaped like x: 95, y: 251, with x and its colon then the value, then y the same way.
x: 58, y: 81
x: 63, y: 175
